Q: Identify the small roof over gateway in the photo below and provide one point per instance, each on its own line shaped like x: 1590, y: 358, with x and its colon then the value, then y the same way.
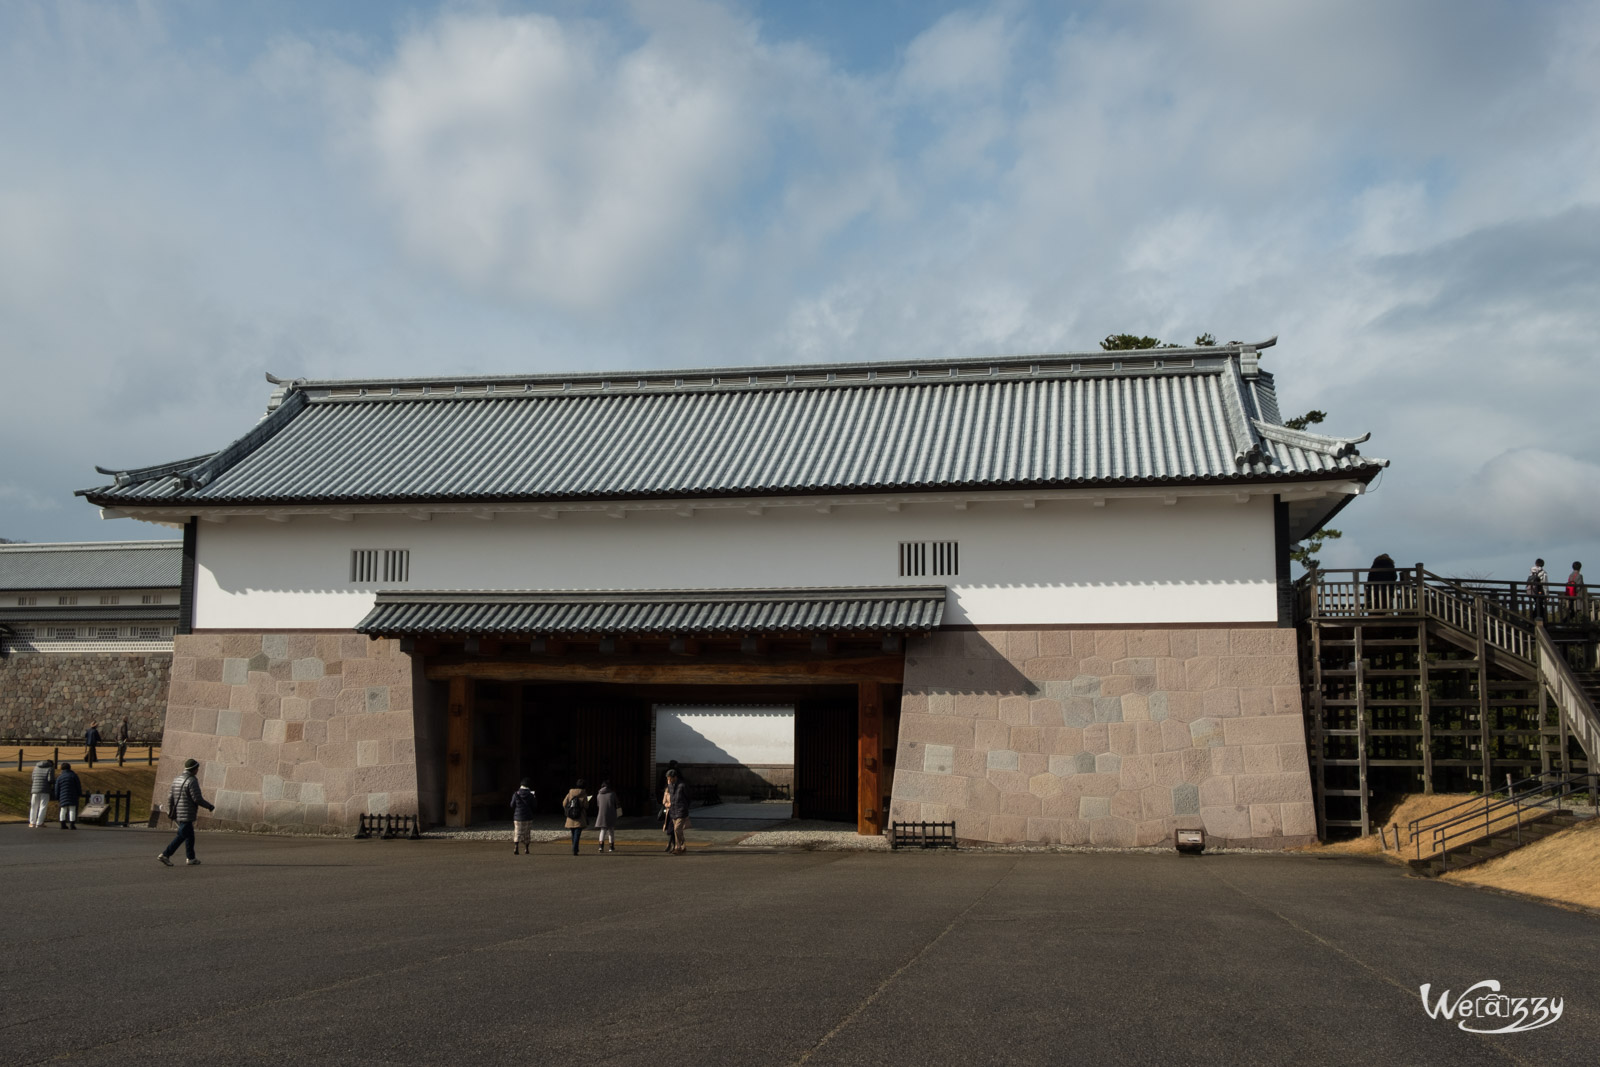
x: 1159, y: 417
x: 658, y: 613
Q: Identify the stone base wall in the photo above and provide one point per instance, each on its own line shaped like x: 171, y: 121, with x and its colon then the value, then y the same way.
x: 293, y: 731
x: 1106, y: 737
x: 57, y: 695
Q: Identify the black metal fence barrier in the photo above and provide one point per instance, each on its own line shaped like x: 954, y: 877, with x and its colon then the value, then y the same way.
x: 119, y: 807
x: 922, y: 835
x: 390, y: 826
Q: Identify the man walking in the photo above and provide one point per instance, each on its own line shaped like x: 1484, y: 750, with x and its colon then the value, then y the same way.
x: 676, y: 801
x: 122, y: 741
x: 44, y: 786
x: 184, y: 805
x: 91, y: 741
x: 1538, y: 584
x: 68, y: 792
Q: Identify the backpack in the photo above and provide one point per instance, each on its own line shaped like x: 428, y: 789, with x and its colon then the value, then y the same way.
x: 576, y: 807
x: 1535, y: 585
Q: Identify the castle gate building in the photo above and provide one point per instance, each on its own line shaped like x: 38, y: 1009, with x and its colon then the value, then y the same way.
x: 1045, y: 597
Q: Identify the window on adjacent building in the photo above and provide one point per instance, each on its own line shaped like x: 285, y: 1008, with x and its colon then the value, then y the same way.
x: 107, y: 633
x: 151, y: 598
x: 67, y: 600
x: 149, y: 633
x: 112, y: 599
x: 920, y: 559
x: 388, y: 566
x: 64, y: 633
x: 25, y: 633
x: 27, y: 601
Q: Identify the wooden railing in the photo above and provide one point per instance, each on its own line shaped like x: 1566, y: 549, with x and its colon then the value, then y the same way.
x: 1492, y: 813
x: 1351, y: 593
x: 1579, y: 718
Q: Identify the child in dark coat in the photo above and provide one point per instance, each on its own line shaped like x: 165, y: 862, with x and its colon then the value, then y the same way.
x: 68, y: 792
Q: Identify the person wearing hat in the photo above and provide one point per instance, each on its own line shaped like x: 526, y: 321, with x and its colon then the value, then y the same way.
x: 522, y: 818
x: 44, y: 787
x: 184, y: 806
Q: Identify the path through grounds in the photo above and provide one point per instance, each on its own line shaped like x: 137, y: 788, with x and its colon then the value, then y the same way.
x: 302, y: 950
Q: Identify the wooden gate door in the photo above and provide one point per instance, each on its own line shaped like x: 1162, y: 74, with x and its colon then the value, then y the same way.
x: 613, y: 745
x: 825, y: 759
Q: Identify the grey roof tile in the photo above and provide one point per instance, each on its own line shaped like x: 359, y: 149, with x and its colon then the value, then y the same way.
x: 91, y: 565
x: 1160, y: 417
x: 661, y: 613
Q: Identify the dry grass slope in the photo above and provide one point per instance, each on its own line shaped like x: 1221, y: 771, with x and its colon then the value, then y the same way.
x: 1411, y: 807
x: 140, y: 781
x: 1564, y: 867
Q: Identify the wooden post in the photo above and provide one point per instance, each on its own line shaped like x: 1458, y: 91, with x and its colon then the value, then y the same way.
x: 1318, y: 720
x: 458, y: 760
x: 1424, y: 681
x: 869, y: 719
x: 1361, y: 728
x: 1544, y: 712
x: 1480, y: 630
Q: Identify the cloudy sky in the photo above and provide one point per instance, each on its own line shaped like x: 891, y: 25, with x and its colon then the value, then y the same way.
x: 1408, y: 194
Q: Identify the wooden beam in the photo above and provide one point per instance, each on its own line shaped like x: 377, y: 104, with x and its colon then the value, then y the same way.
x: 458, y: 758
x: 869, y: 733
x: 886, y: 669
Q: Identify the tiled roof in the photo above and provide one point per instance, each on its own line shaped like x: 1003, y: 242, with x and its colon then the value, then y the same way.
x: 92, y: 565
x: 1159, y: 417
x: 732, y: 612
x: 92, y: 613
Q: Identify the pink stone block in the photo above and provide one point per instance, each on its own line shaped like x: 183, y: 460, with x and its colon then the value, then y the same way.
x: 1051, y: 668
x: 1227, y: 759
x: 1135, y: 707
x: 1022, y: 645
x: 921, y: 788
x: 1009, y: 781
x: 1196, y: 763
x: 1185, y: 644
x: 1073, y: 830
x: 1171, y: 674
x: 1262, y: 641
x: 1227, y: 822
x: 1261, y: 759
x: 1044, y: 785
x: 987, y: 734
x: 1299, y: 819
x: 1152, y: 643
x: 1096, y: 738
x: 1122, y: 738
x: 1083, y: 643
x: 977, y: 705
x: 914, y: 702
x: 1200, y: 673
x: 1256, y: 701
x: 1243, y: 671
x: 1045, y: 712
x: 1286, y: 700
x: 1293, y: 759
x: 1059, y: 806
x: 1056, y: 643
x: 971, y: 763
x: 1185, y: 707
x: 1023, y: 804
x: 904, y: 811
x: 1271, y: 788
x: 1213, y: 641
x: 1155, y: 802
x: 1219, y: 703
x: 1266, y: 820
x: 1044, y: 831
x: 1116, y: 685
x: 296, y: 708
x: 1216, y: 792
x: 205, y: 720
x: 1265, y: 730
x: 182, y: 669
x: 1033, y: 763
x: 1027, y: 738
x: 971, y: 826
x: 1111, y: 832
x: 1111, y: 645
x: 1125, y: 805
x: 1138, y: 772
x: 937, y: 730
x: 1098, y: 666
x: 1175, y: 735
x: 1015, y: 711
x: 1094, y: 785
x: 1147, y: 737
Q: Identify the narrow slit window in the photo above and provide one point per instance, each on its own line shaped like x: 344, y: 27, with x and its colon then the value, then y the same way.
x: 921, y: 559
x: 380, y: 566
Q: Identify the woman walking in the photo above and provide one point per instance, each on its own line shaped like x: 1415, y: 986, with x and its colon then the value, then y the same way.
x: 676, y: 802
x: 575, y: 806
x: 606, y: 812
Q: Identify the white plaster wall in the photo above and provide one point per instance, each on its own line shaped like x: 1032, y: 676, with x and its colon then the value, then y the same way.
x: 1062, y: 562
x: 727, y: 735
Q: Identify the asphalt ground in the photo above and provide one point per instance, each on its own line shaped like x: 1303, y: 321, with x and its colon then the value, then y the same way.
x: 304, y: 950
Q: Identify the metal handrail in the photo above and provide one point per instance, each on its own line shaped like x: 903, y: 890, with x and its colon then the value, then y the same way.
x: 1414, y: 827
x: 1443, y: 833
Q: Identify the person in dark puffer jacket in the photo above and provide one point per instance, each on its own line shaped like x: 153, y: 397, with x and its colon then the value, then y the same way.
x: 44, y: 787
x: 184, y: 806
x: 68, y: 792
x: 522, y: 818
